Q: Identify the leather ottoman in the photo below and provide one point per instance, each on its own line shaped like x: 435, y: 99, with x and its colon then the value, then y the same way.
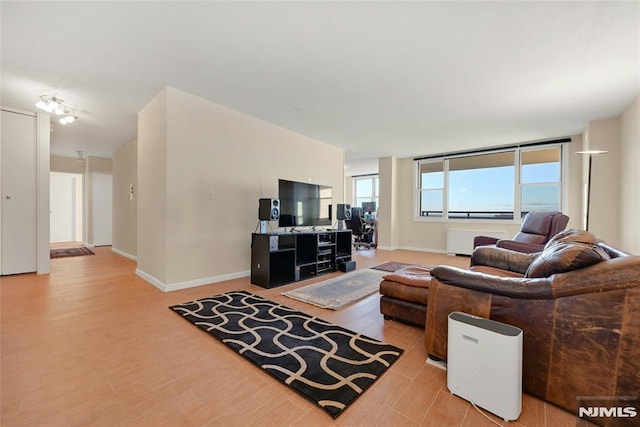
x: 405, y: 294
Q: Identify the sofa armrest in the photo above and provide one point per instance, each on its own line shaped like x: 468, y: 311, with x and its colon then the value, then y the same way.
x: 519, y: 246
x: 513, y: 287
x: 501, y: 258
x: 483, y: 241
x: 618, y: 273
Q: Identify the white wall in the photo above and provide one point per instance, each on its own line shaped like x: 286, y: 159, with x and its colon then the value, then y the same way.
x: 201, y: 169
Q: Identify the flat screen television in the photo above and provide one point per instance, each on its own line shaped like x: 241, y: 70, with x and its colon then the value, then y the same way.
x: 303, y: 204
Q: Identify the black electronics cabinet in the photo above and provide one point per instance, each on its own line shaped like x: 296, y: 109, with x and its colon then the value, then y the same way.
x: 281, y: 258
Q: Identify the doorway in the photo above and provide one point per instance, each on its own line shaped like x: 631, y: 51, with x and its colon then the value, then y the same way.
x: 66, y: 213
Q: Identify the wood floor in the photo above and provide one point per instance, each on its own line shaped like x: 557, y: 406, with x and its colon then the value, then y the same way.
x: 92, y: 344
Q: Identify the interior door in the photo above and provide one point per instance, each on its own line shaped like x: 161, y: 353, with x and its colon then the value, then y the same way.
x: 18, y: 228
x: 66, y: 207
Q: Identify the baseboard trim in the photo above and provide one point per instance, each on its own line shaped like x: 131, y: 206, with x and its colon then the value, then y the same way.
x: 124, y: 254
x: 206, y: 281
x: 169, y: 287
x: 411, y: 248
x: 149, y: 278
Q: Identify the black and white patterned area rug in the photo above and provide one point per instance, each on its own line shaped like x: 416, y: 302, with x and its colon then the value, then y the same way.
x: 326, y: 363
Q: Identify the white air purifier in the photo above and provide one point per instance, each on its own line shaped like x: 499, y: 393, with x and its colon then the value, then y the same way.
x: 484, y: 364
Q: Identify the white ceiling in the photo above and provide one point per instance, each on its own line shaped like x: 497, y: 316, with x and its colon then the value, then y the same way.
x: 378, y: 79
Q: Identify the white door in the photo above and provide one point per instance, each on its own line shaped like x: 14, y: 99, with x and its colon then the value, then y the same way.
x: 102, y: 207
x: 66, y: 207
x: 18, y: 226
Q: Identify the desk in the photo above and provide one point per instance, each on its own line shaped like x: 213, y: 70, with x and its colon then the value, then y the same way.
x: 373, y: 223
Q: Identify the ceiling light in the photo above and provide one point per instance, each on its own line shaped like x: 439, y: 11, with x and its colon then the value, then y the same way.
x: 592, y: 152
x: 55, y: 105
x: 68, y: 119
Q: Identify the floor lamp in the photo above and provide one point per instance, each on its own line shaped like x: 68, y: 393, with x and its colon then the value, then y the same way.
x: 589, y: 153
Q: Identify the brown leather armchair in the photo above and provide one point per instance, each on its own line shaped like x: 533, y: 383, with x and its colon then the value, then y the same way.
x: 578, y: 303
x: 536, y: 230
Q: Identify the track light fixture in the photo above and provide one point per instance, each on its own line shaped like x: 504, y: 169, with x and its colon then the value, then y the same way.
x: 68, y: 119
x: 54, y: 105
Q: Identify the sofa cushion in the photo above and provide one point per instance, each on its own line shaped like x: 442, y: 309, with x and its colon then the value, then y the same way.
x: 408, y: 284
x: 572, y: 235
x: 565, y: 256
x: 415, y: 276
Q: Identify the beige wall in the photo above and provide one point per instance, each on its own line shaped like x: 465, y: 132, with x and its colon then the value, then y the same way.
x: 151, y: 252
x: 389, y: 210
x: 92, y: 165
x: 604, y: 221
x: 206, y: 166
x: 125, y: 174
x: 630, y: 178
x: 348, y: 189
x: 66, y: 164
x: 573, y: 196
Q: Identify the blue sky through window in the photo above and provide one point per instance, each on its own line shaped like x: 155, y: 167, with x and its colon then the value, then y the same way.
x: 485, y: 190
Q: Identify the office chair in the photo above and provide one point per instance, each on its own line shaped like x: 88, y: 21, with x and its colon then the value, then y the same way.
x: 361, y: 231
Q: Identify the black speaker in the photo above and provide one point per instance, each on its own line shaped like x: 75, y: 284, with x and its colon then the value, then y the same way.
x: 269, y: 209
x: 344, y: 211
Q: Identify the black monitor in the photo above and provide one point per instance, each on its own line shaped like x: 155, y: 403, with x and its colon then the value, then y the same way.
x: 368, y: 207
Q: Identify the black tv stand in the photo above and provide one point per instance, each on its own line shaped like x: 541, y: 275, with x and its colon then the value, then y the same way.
x: 281, y: 258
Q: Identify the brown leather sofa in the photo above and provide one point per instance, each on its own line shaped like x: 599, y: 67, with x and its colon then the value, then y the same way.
x: 536, y: 230
x: 577, y: 302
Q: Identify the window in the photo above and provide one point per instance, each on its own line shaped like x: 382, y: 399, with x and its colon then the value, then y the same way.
x: 431, y: 188
x: 482, y: 186
x: 540, y: 180
x: 495, y: 185
x: 365, y: 189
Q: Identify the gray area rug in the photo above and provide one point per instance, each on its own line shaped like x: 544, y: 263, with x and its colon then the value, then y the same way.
x: 339, y: 291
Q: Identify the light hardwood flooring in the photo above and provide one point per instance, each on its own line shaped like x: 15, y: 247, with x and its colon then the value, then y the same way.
x: 92, y: 344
